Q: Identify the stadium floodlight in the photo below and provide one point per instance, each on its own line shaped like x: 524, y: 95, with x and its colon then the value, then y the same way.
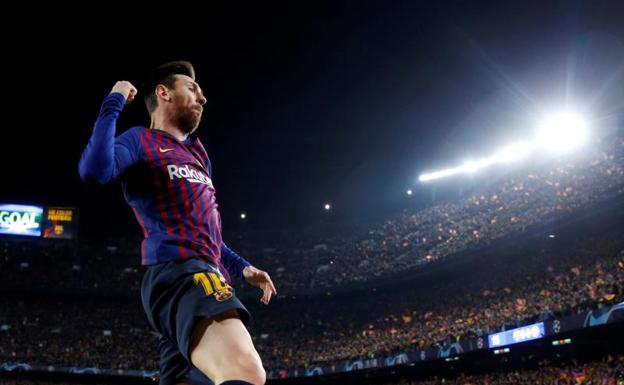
x: 243, y: 215
x: 409, y: 192
x: 558, y: 134
x: 513, y: 152
x: 474, y: 165
x: 561, y: 132
x: 327, y: 206
x: 439, y: 174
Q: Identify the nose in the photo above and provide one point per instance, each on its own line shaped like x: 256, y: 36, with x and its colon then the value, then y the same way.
x: 201, y: 99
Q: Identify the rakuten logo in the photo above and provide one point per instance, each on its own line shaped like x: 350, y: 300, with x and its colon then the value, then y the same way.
x: 189, y: 174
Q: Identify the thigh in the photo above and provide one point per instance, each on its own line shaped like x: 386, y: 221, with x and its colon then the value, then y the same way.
x: 220, y: 343
x: 175, y: 369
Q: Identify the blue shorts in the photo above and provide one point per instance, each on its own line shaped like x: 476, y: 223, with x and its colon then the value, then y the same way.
x: 175, y: 296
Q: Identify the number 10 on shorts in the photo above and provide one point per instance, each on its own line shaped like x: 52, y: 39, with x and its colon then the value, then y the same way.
x: 213, y: 285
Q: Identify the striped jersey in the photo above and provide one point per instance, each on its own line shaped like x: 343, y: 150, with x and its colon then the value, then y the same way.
x: 168, y: 185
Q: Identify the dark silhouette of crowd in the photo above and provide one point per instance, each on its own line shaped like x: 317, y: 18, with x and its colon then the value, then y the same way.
x: 406, y: 242
x: 417, y: 238
x: 609, y: 371
x: 550, y: 278
x: 521, y: 286
x: 504, y: 277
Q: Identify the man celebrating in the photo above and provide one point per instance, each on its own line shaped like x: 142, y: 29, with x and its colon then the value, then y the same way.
x: 166, y: 179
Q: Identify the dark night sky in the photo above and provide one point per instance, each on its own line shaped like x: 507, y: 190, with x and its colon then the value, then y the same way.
x: 341, y: 102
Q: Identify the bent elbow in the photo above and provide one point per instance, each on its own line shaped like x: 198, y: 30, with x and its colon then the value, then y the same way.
x: 94, y: 178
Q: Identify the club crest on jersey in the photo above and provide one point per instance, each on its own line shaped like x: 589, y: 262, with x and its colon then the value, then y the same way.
x: 191, y: 175
x: 223, y: 295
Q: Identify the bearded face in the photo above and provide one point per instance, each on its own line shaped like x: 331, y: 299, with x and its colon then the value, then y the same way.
x: 187, y: 117
x: 188, y: 100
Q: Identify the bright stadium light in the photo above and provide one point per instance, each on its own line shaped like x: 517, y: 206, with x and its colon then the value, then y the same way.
x: 514, y: 152
x: 561, y: 132
x: 327, y: 206
x: 439, y: 174
x: 243, y: 216
x: 409, y: 192
x: 473, y: 166
x: 558, y: 134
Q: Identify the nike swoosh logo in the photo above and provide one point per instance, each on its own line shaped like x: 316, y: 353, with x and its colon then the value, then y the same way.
x: 164, y: 149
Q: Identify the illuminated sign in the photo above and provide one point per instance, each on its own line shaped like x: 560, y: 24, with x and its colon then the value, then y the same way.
x: 20, y: 219
x: 514, y: 336
x: 566, y: 341
x: 60, y: 222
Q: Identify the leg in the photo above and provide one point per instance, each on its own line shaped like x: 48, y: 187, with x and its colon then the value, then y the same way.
x: 175, y: 369
x: 222, y: 349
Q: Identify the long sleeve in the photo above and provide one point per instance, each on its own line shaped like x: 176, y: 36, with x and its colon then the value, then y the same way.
x: 234, y: 263
x: 105, y: 158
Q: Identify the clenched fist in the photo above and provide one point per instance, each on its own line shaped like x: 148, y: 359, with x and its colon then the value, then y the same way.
x: 126, y: 89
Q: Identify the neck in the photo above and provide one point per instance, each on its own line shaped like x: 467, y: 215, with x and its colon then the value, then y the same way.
x: 160, y: 122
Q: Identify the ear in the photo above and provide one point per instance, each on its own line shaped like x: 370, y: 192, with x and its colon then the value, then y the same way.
x: 162, y: 92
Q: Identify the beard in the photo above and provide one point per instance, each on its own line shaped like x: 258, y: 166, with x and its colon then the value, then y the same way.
x: 188, y: 121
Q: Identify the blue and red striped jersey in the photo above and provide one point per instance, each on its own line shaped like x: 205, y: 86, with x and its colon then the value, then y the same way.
x: 168, y: 185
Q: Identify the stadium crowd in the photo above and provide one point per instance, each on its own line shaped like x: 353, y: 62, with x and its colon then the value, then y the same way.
x: 609, y: 371
x: 551, y: 278
x: 415, y: 239
x: 85, y: 333
x: 517, y: 284
x: 544, y: 284
x: 411, y: 240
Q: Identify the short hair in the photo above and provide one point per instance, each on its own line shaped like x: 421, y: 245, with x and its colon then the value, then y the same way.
x: 165, y: 75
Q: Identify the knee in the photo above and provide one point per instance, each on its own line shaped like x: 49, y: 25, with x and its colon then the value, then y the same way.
x: 245, y: 366
x: 250, y: 366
